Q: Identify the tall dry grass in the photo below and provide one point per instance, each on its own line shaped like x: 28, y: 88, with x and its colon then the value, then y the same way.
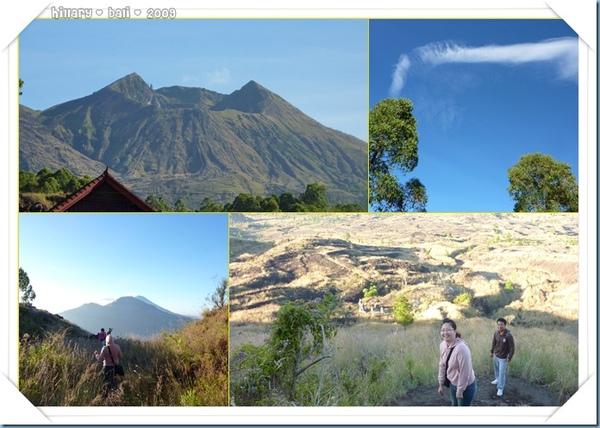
x: 186, y: 368
x: 375, y: 364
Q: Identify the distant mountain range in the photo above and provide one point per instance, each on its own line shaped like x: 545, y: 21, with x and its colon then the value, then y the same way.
x: 192, y: 143
x: 127, y: 316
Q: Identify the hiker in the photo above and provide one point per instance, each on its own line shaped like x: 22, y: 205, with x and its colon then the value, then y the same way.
x: 456, y: 367
x: 102, y: 337
x: 503, y: 349
x: 110, y: 355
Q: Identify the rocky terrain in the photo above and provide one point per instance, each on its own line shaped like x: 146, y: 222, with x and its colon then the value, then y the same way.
x: 523, y: 265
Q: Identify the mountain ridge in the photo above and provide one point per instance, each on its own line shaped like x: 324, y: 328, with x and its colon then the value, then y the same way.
x: 127, y: 316
x: 191, y: 143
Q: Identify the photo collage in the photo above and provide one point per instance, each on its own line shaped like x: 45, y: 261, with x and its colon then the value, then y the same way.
x: 348, y: 213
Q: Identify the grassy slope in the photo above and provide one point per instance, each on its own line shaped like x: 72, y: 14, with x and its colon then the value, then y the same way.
x: 185, y: 368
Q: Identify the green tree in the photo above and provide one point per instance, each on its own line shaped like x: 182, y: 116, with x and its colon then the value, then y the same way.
x: 244, y: 202
x: 21, y: 83
x: 50, y: 185
x: 46, y: 181
x: 210, y: 206
x: 43, y: 174
x: 63, y: 177
x: 348, y: 208
x: 270, y: 205
x: 181, y: 207
x: 158, y: 204
x: 402, y: 311
x: 73, y: 184
x: 299, y: 339
x: 287, y: 202
x: 314, y: 198
x: 539, y: 183
x: 28, y: 181
x: 393, y: 150
x: 27, y: 293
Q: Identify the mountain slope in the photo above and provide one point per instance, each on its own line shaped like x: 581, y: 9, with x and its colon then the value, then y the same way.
x: 524, y: 267
x: 40, y: 148
x: 193, y: 143
x: 38, y: 323
x: 127, y: 316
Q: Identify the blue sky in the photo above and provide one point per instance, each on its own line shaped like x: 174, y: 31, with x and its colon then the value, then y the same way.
x: 174, y: 260
x: 319, y: 66
x: 485, y: 92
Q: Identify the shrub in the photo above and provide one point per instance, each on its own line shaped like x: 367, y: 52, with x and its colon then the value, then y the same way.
x: 464, y: 299
x: 267, y: 374
x: 371, y: 291
x: 402, y: 311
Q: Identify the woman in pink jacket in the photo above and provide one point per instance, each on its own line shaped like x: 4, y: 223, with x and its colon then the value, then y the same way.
x: 110, y: 355
x: 456, y: 366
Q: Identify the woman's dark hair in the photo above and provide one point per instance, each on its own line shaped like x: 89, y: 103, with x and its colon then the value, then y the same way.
x: 452, y: 323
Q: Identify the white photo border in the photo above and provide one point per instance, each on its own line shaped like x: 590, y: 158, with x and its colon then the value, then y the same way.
x: 580, y: 409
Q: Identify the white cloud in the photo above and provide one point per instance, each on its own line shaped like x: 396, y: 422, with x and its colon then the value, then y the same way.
x: 561, y: 53
x: 220, y: 76
x: 399, y: 76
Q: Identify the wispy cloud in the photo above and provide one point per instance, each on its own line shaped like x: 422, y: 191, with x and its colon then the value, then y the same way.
x: 218, y: 77
x: 559, y: 53
x: 399, y: 76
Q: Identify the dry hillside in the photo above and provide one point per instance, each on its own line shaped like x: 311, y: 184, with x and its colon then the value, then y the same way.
x: 521, y: 266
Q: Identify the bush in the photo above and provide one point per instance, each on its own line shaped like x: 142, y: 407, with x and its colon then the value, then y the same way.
x: 268, y: 374
x: 464, y: 299
x: 371, y: 291
x: 402, y: 311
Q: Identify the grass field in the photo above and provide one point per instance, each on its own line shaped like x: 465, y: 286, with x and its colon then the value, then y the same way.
x: 175, y: 369
x: 375, y: 364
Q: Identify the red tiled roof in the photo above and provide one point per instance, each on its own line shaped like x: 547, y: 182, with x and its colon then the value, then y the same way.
x: 103, y: 194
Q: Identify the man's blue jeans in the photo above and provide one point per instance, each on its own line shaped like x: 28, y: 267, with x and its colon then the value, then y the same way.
x: 500, y: 371
x: 468, y: 394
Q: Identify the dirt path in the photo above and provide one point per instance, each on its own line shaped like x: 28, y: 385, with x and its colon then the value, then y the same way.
x: 517, y: 393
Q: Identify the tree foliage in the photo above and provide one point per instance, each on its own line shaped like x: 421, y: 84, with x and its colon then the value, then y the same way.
x: 464, y: 299
x: 25, y: 287
x: 402, y: 311
x: 539, y: 183
x: 313, y: 199
x: 210, y: 206
x: 299, y: 339
x: 370, y: 292
x: 46, y: 181
x: 393, y: 150
x: 180, y: 206
x: 158, y: 204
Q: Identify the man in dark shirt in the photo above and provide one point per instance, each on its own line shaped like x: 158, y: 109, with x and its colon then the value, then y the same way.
x: 503, y: 349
